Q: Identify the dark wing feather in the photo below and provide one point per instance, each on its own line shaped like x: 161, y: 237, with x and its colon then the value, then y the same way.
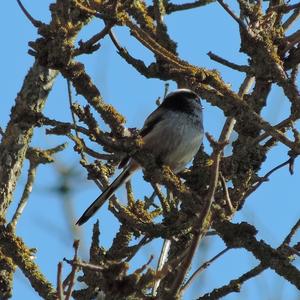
x: 152, y: 120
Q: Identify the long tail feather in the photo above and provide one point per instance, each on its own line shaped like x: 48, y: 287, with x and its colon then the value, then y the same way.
x: 108, y: 192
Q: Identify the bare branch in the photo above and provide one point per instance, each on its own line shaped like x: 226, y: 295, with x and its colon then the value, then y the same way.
x: 33, y: 21
x: 90, y: 45
x: 60, y: 291
x: 201, y: 269
x: 17, y: 137
x: 245, y: 69
x: 243, y: 236
x: 25, y: 196
x: 227, y: 196
x: 233, y: 15
x: 293, y: 231
x: 14, y: 248
x: 73, y: 272
x: 289, y: 22
x: 285, y: 8
x: 136, y: 63
x: 234, y: 285
x: 266, y: 178
x: 171, y: 7
x: 203, y: 222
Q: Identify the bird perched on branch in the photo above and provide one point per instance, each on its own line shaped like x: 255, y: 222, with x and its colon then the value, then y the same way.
x: 173, y: 133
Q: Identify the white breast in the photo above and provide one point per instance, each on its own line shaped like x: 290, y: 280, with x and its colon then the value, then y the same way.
x: 176, y: 139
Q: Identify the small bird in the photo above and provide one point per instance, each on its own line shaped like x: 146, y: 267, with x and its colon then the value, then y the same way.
x: 173, y: 133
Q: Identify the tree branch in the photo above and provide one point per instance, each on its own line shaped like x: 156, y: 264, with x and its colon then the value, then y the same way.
x: 30, y: 100
x: 242, y: 236
x: 14, y: 248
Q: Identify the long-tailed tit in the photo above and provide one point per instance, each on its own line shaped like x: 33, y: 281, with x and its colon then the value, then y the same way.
x: 173, y: 133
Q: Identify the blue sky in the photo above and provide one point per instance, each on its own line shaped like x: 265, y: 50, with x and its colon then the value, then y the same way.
x: 45, y: 224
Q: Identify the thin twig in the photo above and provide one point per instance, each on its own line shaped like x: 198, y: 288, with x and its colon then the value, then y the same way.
x: 81, y: 264
x: 244, y: 237
x: 161, y: 262
x: 136, y: 63
x: 25, y: 196
x: 226, y: 193
x: 245, y: 69
x: 90, y: 45
x: 60, y: 291
x: 84, y: 148
x: 91, y: 11
x: 115, y: 41
x: 201, y: 269
x: 149, y: 201
x: 286, y: 123
x: 234, y: 285
x: 230, y: 121
x: 145, y: 240
x: 265, y: 178
x: 70, y: 98
x: 83, y: 157
x: 294, y: 229
x: 73, y: 272
x: 33, y: 21
x: 171, y: 7
x: 63, y: 126
x: 202, y: 219
x: 142, y: 268
x: 232, y: 14
x: 165, y: 248
x: 163, y: 200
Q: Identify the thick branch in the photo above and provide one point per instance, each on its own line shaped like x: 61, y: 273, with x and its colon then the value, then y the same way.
x: 30, y: 100
x: 14, y: 248
x: 243, y: 236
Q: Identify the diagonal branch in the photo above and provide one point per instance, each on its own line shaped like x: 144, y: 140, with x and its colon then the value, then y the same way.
x: 13, y: 247
x: 232, y: 14
x: 288, y: 23
x: 14, y: 144
x: 90, y: 45
x: 202, y: 268
x: 33, y: 21
x: 245, y: 69
x: 203, y: 219
x: 243, y: 236
x: 234, y: 285
x: 172, y: 7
